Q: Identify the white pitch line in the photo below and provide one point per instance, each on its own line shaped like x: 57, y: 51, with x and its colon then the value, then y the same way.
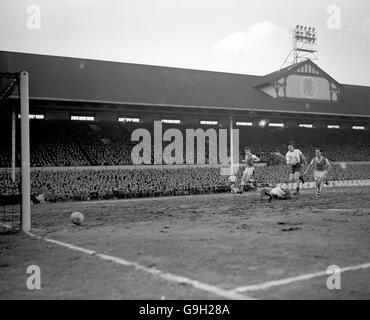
x: 70, y: 246
x: 275, y: 283
x: 339, y: 210
x: 229, y: 294
x: 6, y: 226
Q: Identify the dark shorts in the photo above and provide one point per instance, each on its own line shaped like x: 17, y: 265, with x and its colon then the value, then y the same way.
x: 296, y: 168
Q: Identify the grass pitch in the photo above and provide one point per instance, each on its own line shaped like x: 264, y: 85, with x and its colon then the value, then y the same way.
x: 224, y: 241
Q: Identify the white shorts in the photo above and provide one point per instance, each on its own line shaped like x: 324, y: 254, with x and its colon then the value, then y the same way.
x: 249, y: 171
x: 277, y: 192
x: 319, y: 175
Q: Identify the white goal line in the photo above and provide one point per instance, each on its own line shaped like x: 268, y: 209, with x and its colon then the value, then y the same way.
x: 228, y: 294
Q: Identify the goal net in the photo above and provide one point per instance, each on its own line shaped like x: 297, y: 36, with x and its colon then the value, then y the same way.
x: 14, y: 153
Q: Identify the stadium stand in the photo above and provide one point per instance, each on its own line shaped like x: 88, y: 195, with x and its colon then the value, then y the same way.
x: 89, y: 184
x: 106, y: 90
x: 76, y: 143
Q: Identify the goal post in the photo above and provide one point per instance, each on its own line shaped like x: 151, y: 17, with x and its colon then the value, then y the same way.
x: 25, y: 152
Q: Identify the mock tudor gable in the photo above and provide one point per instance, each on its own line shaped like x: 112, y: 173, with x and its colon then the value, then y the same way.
x: 304, y: 80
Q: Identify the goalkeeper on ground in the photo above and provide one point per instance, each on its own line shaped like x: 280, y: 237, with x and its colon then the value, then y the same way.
x: 275, y: 193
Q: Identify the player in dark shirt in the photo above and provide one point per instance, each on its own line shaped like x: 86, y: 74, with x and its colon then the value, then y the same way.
x: 321, y: 167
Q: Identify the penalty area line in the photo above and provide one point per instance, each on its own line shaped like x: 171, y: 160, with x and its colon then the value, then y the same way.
x: 229, y: 294
x: 275, y: 283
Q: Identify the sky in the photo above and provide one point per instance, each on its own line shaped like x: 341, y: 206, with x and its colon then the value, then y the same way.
x: 238, y: 36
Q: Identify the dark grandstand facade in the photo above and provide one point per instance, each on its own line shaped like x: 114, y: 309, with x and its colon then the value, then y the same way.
x: 299, y: 94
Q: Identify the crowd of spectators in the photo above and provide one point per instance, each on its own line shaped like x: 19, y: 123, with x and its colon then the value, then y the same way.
x: 88, y: 184
x: 61, y: 143
x: 75, y: 143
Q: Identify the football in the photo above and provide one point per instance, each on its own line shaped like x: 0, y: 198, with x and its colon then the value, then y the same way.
x: 232, y: 179
x: 77, y: 218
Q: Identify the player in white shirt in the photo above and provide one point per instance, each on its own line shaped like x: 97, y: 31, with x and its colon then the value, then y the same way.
x: 275, y: 193
x: 295, y: 158
x: 321, y: 167
x: 249, y: 170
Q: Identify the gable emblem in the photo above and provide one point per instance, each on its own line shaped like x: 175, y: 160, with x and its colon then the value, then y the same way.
x: 308, y: 87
